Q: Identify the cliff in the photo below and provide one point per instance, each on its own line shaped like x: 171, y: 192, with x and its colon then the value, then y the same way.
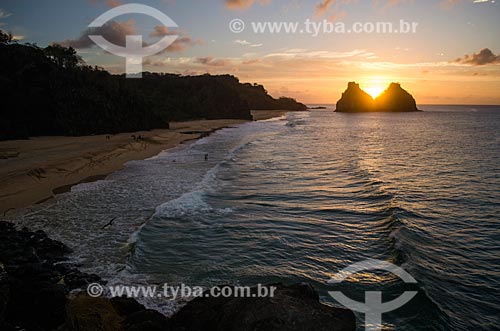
x: 51, y: 92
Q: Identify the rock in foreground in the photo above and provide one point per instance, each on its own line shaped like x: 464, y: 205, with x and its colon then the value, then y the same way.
x: 35, y: 280
x: 293, y: 308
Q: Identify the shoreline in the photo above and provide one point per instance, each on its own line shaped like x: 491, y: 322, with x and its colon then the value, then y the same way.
x: 40, y: 289
x: 36, y: 170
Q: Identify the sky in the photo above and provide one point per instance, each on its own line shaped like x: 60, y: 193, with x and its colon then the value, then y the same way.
x: 452, y: 56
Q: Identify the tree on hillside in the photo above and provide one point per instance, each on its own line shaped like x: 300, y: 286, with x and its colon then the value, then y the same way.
x: 66, y: 57
x: 6, y: 37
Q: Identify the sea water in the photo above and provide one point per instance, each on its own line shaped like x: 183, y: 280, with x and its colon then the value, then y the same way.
x: 299, y: 198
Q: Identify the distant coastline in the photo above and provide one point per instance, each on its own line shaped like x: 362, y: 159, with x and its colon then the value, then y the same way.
x: 63, y: 96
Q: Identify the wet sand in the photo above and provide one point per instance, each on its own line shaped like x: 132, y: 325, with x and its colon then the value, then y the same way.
x: 34, y: 170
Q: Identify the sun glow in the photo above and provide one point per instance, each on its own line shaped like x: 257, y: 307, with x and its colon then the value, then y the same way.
x: 374, y: 91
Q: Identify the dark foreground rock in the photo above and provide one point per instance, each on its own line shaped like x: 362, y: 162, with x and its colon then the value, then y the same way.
x: 35, y: 281
x: 117, y: 314
x: 294, y: 307
x: 393, y: 99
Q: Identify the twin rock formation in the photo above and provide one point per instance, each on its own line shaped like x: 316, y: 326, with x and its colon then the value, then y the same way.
x: 394, y: 99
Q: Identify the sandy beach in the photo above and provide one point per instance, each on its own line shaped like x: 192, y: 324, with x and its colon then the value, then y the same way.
x: 34, y: 170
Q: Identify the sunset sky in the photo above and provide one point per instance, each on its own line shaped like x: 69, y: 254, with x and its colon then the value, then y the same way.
x: 453, y: 58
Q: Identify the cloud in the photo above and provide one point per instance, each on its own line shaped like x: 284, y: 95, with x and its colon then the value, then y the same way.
x: 113, y: 3
x: 253, y: 61
x: 305, y: 54
x: 449, y: 3
x: 334, y: 9
x: 324, y: 6
x: 113, y: 31
x: 243, y: 4
x: 247, y: 43
x: 116, y: 32
x: 325, y: 74
x: 211, y: 61
x: 109, y: 3
x: 4, y: 14
x: 242, y: 42
x: 156, y: 63
x: 485, y: 56
x: 162, y: 31
x: 180, y: 44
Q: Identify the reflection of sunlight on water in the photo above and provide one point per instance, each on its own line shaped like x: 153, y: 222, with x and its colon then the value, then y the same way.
x: 372, y: 278
x: 299, y: 202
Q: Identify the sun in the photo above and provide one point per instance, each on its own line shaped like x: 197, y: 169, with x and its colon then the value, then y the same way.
x: 374, y: 91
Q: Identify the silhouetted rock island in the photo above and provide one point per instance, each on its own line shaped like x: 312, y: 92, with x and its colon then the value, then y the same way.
x: 393, y: 99
x: 354, y: 99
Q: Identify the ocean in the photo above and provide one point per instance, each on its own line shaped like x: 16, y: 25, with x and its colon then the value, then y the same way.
x: 299, y: 198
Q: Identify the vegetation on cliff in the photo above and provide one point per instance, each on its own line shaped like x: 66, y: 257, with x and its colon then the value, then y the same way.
x: 51, y: 91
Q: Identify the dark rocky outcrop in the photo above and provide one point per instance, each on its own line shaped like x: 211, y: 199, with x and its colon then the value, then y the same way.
x: 294, y: 307
x: 4, y: 296
x: 35, y: 281
x: 257, y: 97
x: 393, y: 99
x: 85, y: 313
x: 354, y: 99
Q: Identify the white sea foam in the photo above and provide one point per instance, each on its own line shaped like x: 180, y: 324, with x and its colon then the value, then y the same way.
x: 92, y: 186
x: 173, y: 184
